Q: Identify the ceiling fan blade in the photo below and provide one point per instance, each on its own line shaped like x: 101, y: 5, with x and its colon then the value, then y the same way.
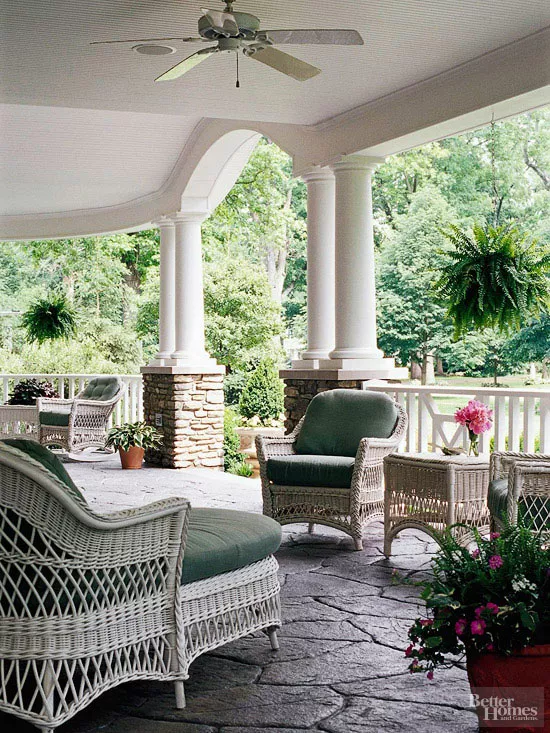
x: 142, y: 40
x: 283, y: 62
x: 337, y: 36
x: 223, y: 22
x: 187, y: 64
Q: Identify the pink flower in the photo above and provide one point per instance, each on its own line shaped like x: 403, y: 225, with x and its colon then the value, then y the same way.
x: 494, y: 535
x: 430, y: 675
x: 490, y: 647
x: 408, y: 650
x: 477, y: 627
x: 460, y: 626
x: 492, y: 607
x: 426, y: 622
x: 475, y: 554
x: 475, y: 416
x: 495, y: 562
x: 479, y: 610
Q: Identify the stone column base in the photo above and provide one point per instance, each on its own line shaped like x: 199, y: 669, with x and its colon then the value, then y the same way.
x: 187, y: 408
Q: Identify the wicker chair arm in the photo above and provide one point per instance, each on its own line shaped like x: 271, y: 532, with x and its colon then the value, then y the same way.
x: 502, y: 461
x: 142, y: 514
x: 56, y: 402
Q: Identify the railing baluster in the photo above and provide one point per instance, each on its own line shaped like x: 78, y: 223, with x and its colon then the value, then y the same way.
x: 412, y: 414
x: 528, y: 424
x: 545, y: 425
x: 513, y: 424
x: 500, y: 423
x: 423, y: 424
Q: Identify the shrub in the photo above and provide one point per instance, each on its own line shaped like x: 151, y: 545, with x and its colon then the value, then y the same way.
x: 233, y: 459
x: 263, y: 395
x: 233, y: 385
x: 27, y: 391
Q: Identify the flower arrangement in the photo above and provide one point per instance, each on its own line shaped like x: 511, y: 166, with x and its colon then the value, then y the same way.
x: 477, y: 418
x: 494, y: 598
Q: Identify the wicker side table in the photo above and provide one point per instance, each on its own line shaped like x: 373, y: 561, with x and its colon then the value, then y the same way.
x: 19, y: 421
x: 429, y: 491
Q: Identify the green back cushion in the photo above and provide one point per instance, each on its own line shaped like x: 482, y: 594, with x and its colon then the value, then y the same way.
x: 497, y: 498
x: 47, y: 459
x: 220, y: 540
x: 101, y: 388
x: 335, y: 421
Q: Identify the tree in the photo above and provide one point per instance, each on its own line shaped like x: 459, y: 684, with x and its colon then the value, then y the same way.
x: 411, y: 316
x: 263, y: 395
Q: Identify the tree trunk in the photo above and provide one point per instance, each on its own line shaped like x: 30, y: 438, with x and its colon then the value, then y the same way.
x: 439, y: 367
x: 427, y: 372
x: 495, y: 371
x: 416, y: 371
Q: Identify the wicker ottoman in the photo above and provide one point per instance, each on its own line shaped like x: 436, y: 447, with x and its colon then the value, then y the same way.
x: 431, y: 491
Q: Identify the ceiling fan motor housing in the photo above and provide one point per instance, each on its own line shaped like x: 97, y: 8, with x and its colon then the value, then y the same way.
x: 248, y: 26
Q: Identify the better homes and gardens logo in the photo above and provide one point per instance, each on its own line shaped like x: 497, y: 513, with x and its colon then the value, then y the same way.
x: 509, y: 706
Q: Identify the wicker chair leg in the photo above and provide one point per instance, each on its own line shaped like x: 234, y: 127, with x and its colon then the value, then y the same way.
x: 310, y: 527
x: 180, y: 694
x: 273, y: 640
x: 358, y: 543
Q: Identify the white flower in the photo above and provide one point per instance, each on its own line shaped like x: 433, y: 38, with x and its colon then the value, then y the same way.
x: 520, y: 583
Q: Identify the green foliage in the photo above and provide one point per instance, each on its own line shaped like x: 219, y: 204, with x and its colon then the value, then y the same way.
x: 233, y: 385
x: 233, y: 459
x: 263, y: 396
x: 410, y: 315
x: 49, y: 319
x: 241, y: 315
x: 495, y: 598
x: 27, y: 391
x: 133, y: 434
x: 496, y: 278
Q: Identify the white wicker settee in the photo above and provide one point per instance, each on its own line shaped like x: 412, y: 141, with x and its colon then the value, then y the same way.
x: 334, y: 474
x: 81, y: 422
x: 89, y: 601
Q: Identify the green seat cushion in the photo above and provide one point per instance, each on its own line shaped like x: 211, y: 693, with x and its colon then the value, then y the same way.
x: 299, y: 470
x: 220, y: 540
x: 56, y: 419
x: 47, y: 459
x: 100, y: 388
x: 335, y: 421
x: 497, y: 498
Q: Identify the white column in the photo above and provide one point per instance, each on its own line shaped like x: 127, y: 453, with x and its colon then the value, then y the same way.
x: 189, y: 296
x: 167, y: 333
x: 320, y: 265
x: 355, y: 274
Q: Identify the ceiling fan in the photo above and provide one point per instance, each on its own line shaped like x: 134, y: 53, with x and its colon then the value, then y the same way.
x: 234, y: 32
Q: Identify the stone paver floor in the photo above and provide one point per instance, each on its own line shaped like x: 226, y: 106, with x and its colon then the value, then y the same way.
x: 340, y: 668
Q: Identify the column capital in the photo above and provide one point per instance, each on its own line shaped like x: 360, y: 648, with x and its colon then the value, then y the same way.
x: 317, y: 174
x: 357, y: 162
x: 191, y: 216
x: 164, y: 221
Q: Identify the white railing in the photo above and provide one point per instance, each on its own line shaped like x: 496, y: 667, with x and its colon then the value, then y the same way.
x: 521, y: 419
x: 128, y: 409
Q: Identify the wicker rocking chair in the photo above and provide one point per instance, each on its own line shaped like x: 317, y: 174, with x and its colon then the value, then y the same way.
x: 81, y: 422
x: 329, y: 470
x: 88, y: 602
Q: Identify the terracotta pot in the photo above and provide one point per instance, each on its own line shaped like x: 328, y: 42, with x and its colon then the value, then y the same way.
x: 528, y: 668
x: 131, y: 458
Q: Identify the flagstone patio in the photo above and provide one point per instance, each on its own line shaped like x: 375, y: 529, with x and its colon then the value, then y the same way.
x: 340, y: 668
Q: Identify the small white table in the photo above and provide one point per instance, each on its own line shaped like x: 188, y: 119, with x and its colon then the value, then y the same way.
x: 19, y: 421
x: 431, y: 491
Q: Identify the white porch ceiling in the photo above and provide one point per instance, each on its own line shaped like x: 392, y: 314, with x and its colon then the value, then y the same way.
x: 90, y: 143
x: 48, y: 60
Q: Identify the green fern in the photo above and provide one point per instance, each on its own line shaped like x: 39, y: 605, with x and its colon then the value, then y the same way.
x: 496, y: 278
x: 49, y: 319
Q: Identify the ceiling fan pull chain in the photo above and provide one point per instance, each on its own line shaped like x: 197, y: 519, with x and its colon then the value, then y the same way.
x: 238, y: 84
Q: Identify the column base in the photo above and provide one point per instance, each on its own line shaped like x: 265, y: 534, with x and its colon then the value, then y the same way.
x: 187, y: 408
x: 378, y: 368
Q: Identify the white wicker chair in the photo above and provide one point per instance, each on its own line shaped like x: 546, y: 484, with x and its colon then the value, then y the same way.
x: 88, y: 602
x: 86, y: 419
x: 347, y: 509
x: 528, y: 490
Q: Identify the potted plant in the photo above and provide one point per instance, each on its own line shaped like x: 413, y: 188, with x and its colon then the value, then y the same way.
x: 131, y: 440
x: 477, y: 418
x: 490, y: 603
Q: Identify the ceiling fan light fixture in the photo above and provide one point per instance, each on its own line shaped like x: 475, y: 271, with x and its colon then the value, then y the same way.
x: 153, y: 49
